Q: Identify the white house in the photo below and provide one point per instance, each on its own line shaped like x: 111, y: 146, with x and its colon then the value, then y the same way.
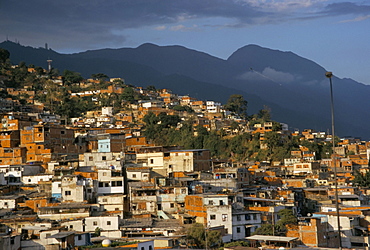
x: 105, y: 223
x: 110, y: 181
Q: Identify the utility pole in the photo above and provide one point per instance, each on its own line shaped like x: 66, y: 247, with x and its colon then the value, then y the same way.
x: 329, y: 75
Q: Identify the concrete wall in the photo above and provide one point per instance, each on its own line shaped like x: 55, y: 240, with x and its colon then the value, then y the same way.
x: 106, y: 223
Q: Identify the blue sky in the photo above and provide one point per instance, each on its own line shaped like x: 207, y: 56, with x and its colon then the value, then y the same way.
x: 334, y: 34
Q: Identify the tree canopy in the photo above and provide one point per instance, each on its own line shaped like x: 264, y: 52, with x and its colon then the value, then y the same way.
x: 278, y: 228
x: 237, y: 105
x: 200, y: 237
x: 4, y: 55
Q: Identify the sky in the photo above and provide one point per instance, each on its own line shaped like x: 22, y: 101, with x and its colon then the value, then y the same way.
x: 334, y: 34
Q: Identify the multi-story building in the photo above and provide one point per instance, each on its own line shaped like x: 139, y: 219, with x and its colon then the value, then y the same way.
x: 110, y: 181
x: 188, y: 160
x: 213, y: 211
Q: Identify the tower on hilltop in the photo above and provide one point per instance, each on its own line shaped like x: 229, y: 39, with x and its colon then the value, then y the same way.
x: 49, y: 64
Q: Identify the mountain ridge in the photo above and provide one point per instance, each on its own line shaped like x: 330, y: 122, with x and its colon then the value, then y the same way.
x: 294, y: 88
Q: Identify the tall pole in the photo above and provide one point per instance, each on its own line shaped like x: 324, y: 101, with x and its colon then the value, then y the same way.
x: 205, y: 233
x: 329, y: 75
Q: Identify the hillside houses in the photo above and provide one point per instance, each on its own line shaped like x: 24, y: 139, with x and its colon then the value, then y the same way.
x: 99, y: 176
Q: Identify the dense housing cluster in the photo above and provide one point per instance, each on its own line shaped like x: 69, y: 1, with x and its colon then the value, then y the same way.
x: 148, y: 166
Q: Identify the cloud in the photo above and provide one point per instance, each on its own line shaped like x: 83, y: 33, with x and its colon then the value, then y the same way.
x: 284, y: 5
x: 268, y: 74
x: 162, y: 27
x: 347, y: 8
x: 278, y: 76
x: 357, y: 19
x: 96, y: 22
x: 183, y: 28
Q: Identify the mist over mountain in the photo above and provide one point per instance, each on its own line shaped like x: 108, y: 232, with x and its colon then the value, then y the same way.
x: 294, y: 88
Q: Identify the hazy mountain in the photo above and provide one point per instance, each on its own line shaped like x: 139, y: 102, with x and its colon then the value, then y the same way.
x: 294, y: 88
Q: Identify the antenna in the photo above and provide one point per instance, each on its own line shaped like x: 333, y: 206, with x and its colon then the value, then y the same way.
x: 49, y: 64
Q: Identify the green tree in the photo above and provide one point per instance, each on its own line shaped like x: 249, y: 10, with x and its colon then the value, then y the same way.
x: 97, y: 231
x: 167, y: 121
x: 264, y: 114
x: 128, y: 95
x: 100, y: 76
x: 71, y: 77
x: 237, y: 243
x: 197, y: 234
x: 272, y: 140
x: 151, y: 88
x: 237, y: 105
x: 287, y: 218
x: 183, y: 108
x: 4, y: 55
x: 280, y: 227
x: 265, y: 229
x: 118, y: 82
x: 362, y: 179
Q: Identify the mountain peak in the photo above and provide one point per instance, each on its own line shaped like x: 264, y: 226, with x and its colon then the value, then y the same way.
x: 147, y: 45
x: 294, y: 87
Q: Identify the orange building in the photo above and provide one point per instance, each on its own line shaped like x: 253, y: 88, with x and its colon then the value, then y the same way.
x: 45, y: 143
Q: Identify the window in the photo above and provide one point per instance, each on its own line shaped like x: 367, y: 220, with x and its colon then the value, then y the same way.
x: 79, y: 237
x: 91, y: 158
x: 70, y: 226
x: 238, y: 218
x: 62, y: 132
x: 172, y: 205
x: 95, y: 223
x: 104, y: 173
x: 134, y: 176
x: 212, y: 217
x: 151, y: 161
x: 254, y: 216
x: 67, y: 192
x: 221, y: 202
x: 104, y: 200
x: 210, y: 202
x: 103, y: 158
x: 224, y: 217
x: 247, y: 217
x: 108, y: 223
x: 238, y: 229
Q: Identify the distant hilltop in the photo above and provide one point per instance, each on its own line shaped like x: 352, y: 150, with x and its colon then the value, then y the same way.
x: 295, y: 89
